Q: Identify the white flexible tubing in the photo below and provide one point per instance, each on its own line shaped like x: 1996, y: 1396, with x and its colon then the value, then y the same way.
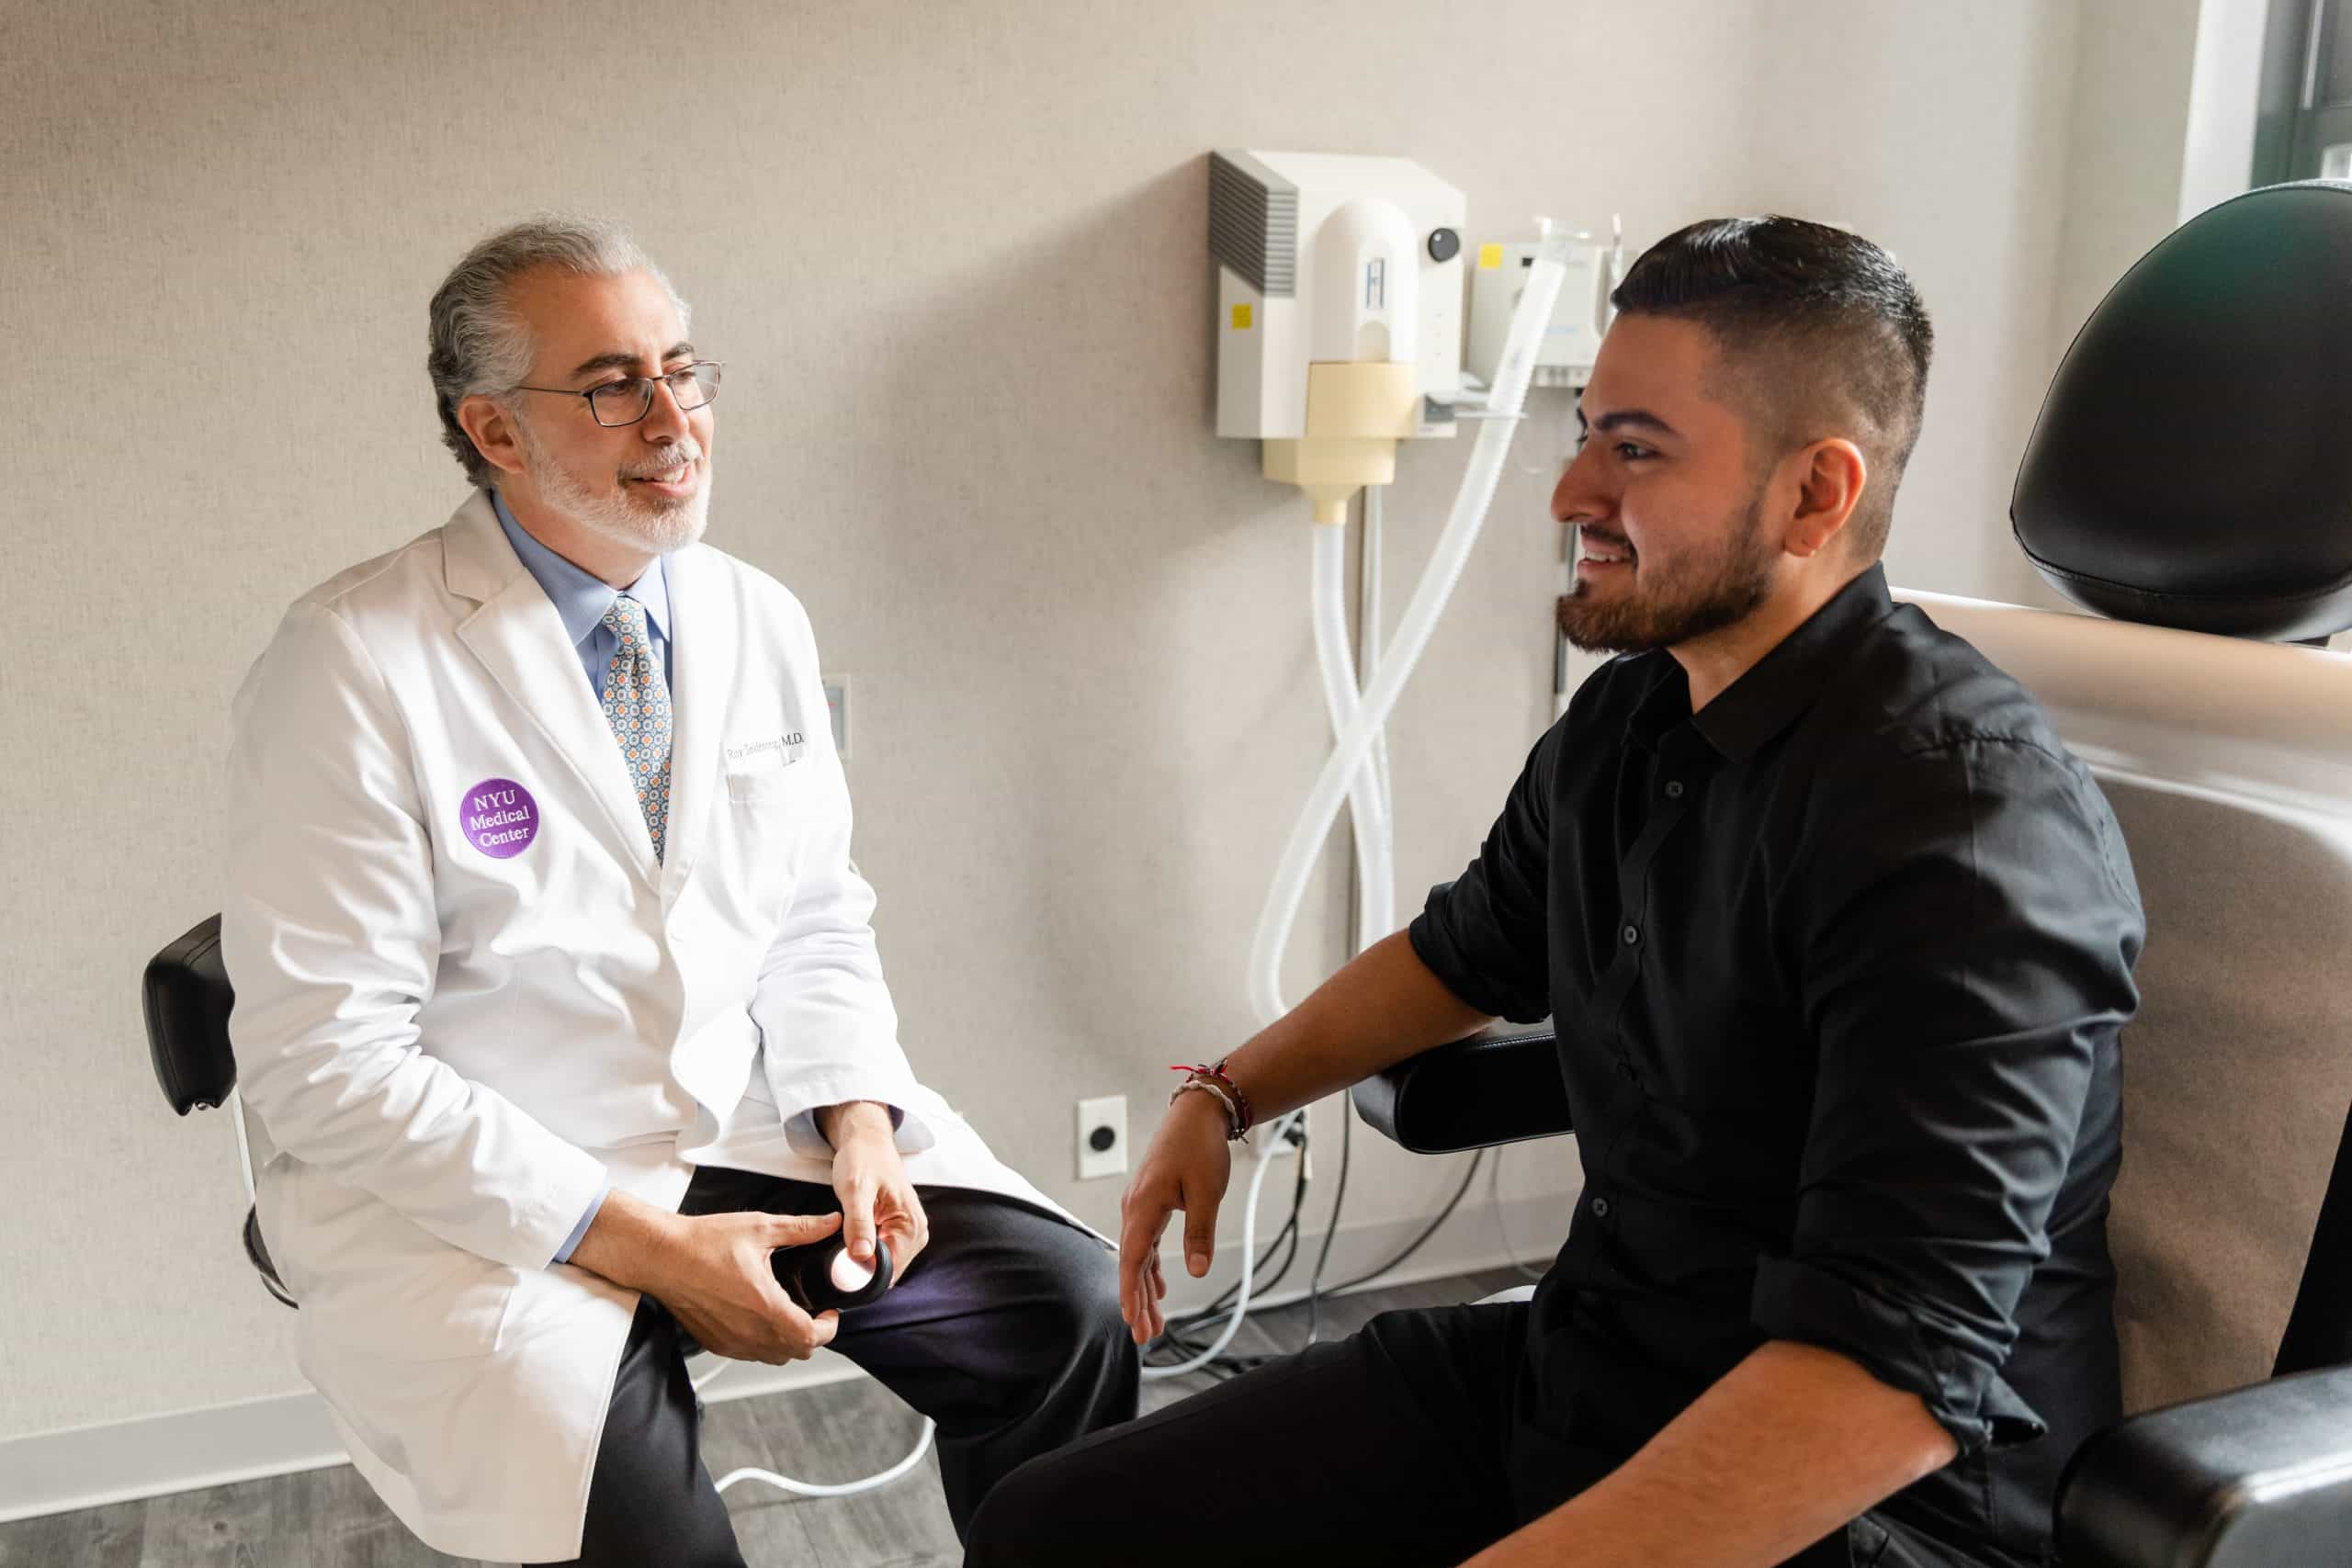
x: 1353, y: 743
x: 1367, y: 812
x: 1280, y: 911
x: 847, y: 1488
x: 815, y: 1488
x: 1349, y: 752
x: 1376, y: 914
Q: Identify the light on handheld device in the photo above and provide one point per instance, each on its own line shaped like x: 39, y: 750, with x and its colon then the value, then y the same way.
x: 823, y: 1277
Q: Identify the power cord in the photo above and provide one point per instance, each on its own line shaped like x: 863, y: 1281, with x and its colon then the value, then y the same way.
x: 1427, y: 1231
x: 1331, y: 1227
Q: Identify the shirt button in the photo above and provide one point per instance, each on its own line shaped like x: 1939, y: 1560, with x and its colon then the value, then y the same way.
x: 1600, y: 1208
x: 1632, y: 935
x: 1674, y: 789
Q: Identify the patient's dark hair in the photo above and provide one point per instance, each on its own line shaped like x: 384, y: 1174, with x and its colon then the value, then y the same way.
x: 1821, y: 333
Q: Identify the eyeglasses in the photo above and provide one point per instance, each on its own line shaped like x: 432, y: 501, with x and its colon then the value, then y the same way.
x: 625, y: 402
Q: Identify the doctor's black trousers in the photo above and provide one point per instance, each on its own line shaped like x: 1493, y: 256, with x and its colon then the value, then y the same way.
x: 1005, y: 1330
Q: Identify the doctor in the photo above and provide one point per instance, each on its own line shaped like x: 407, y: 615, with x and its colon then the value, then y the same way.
x: 557, y: 1005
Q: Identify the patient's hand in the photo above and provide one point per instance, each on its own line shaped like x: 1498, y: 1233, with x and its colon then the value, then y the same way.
x: 1186, y: 1167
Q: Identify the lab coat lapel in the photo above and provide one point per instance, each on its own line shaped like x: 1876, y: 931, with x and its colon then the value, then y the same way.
x: 704, y: 643
x: 517, y: 633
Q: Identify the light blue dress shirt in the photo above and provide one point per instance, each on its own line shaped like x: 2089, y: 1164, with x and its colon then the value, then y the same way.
x: 581, y: 598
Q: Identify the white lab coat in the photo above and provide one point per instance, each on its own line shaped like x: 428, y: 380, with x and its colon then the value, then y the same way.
x: 445, y: 1052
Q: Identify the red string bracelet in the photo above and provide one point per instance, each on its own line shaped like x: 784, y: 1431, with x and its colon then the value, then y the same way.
x: 1215, y: 1077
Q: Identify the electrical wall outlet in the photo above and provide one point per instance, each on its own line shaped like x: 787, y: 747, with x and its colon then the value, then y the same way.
x: 1102, y: 1136
x: 1294, y: 1142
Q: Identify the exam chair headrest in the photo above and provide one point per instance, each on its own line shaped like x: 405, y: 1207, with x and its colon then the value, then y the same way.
x: 2192, y: 465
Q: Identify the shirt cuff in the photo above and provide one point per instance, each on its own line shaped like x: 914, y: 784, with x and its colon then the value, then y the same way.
x: 1811, y: 1305
x: 1435, y: 945
x: 806, y: 1138
x: 563, y: 1253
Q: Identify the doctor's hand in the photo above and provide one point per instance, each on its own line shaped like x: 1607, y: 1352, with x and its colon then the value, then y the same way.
x: 725, y: 1288
x: 1187, y: 1166
x: 722, y: 1289
x: 712, y: 1272
x: 871, y: 1181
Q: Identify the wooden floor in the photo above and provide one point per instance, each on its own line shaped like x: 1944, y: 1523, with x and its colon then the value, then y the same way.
x: 328, y: 1518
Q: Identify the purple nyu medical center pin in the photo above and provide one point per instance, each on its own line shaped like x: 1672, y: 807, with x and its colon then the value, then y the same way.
x: 500, y: 817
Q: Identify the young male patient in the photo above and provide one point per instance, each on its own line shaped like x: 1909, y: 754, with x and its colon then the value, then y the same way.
x: 1838, y: 937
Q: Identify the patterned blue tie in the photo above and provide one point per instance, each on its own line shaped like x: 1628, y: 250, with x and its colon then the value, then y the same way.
x: 637, y: 705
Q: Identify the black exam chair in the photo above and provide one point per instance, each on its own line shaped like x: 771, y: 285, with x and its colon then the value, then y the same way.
x: 2191, y: 473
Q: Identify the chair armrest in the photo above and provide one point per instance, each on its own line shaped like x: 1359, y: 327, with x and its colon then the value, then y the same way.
x: 187, y: 998
x: 1499, y: 1086
x: 2258, y: 1476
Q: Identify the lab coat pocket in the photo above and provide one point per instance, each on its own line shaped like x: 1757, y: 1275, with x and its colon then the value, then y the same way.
x: 439, y: 1318
x: 777, y: 783
x: 376, y: 1286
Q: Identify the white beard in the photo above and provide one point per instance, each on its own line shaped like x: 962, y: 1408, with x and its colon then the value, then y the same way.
x: 639, y: 522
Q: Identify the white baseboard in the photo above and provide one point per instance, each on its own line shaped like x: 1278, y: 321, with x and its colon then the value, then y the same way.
x: 150, y: 1456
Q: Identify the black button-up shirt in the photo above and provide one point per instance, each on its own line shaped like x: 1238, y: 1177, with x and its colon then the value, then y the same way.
x: 1837, y: 965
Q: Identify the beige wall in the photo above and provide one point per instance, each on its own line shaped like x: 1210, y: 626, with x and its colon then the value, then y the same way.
x: 953, y: 254
x: 2127, y: 138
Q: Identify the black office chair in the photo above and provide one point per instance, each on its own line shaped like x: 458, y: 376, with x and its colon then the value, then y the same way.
x: 186, y: 998
x: 2191, y: 470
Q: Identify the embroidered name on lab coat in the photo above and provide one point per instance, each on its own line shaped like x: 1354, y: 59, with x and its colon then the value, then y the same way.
x: 780, y: 753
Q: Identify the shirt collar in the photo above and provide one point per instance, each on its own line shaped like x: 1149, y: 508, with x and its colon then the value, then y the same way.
x: 581, y: 597
x: 1777, y: 688
x: 1785, y: 682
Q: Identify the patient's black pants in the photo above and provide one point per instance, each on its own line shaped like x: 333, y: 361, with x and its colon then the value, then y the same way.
x: 1399, y: 1446
x: 1005, y: 1330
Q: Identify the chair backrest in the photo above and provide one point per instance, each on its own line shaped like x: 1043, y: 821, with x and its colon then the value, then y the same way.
x: 2229, y: 765
x: 2189, y: 468
x: 186, y: 997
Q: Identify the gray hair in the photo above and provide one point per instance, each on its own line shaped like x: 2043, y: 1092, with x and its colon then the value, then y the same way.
x: 478, y: 346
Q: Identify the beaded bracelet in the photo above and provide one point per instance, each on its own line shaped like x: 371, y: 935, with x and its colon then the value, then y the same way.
x: 1215, y: 1080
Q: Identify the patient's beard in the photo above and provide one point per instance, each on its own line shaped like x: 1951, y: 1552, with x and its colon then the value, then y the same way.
x: 1720, y: 590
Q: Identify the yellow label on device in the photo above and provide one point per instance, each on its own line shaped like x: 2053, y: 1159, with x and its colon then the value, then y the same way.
x: 1241, y: 318
x: 1489, y: 257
